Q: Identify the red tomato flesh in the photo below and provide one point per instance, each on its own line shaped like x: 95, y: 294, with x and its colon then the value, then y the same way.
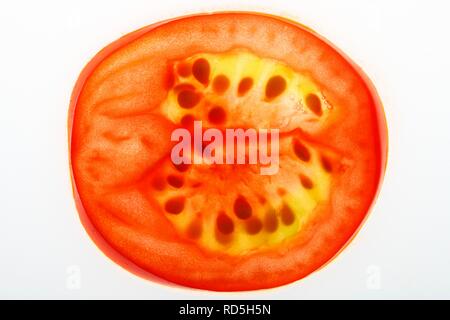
x: 216, y: 226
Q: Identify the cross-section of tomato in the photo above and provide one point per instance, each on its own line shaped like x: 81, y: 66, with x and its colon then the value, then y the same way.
x: 224, y: 226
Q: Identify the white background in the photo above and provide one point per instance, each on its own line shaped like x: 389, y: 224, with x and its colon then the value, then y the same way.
x: 402, y: 251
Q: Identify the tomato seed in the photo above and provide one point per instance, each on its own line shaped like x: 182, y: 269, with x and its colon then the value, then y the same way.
x: 244, y: 86
x: 314, y: 104
x: 301, y: 151
x: 287, y: 216
x: 270, y: 221
x: 221, y: 84
x: 182, y: 167
x: 253, y: 226
x: 175, y: 205
x: 306, y: 182
x: 175, y: 181
x: 187, y: 121
x: 200, y: 70
x: 326, y: 163
x: 275, y: 86
x: 224, y: 224
x: 217, y: 115
x: 242, y: 208
x: 188, y: 99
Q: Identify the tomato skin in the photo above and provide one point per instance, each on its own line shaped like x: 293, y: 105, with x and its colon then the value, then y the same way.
x: 117, y: 250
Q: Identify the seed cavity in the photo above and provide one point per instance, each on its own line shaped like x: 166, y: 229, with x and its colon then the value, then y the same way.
x: 242, y: 208
x: 326, y: 164
x: 253, y: 226
x: 175, y: 205
x: 200, y: 70
x: 244, y: 86
x: 187, y: 121
x: 301, y: 151
x: 224, y: 223
x: 221, y: 84
x: 275, y: 86
x: 188, y: 99
x: 182, y: 167
x: 271, y: 221
x: 314, y: 104
x: 287, y: 216
x: 184, y: 69
x: 217, y: 115
x: 175, y: 181
x: 194, y: 230
x: 306, y: 182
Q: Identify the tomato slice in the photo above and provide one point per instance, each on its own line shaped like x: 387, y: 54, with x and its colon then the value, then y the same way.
x: 224, y: 226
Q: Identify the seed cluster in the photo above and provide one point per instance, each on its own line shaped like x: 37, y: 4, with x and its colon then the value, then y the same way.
x: 236, y: 218
x: 241, y: 220
x: 227, y: 91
